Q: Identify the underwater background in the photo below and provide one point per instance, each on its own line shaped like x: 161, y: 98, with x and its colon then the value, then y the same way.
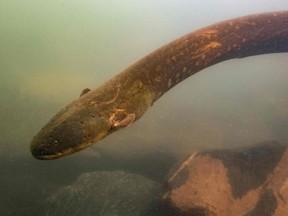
x: 51, y: 50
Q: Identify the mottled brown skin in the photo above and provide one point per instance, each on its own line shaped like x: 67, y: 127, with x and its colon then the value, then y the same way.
x: 125, y: 98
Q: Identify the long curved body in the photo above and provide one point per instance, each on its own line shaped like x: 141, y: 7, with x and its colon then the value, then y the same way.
x: 125, y: 98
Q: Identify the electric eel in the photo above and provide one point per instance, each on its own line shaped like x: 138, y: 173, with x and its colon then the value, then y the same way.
x: 121, y: 101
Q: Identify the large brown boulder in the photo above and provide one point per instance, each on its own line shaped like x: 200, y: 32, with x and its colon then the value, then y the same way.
x: 243, y: 182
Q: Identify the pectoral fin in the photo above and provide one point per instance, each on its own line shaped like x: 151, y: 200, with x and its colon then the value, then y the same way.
x: 84, y: 91
x: 126, y: 122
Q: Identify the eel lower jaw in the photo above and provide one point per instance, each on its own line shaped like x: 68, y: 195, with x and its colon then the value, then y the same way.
x: 56, y: 155
x: 52, y: 156
x: 40, y: 155
x: 48, y: 157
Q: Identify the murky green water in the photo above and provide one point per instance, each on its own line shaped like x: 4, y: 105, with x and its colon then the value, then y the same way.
x: 51, y: 50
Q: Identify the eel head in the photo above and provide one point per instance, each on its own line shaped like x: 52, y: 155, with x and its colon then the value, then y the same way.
x: 84, y: 122
x: 64, y: 136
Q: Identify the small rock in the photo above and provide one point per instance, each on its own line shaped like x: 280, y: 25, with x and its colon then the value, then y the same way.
x: 106, y: 194
x: 250, y: 182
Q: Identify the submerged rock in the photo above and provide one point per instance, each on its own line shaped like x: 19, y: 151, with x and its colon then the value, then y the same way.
x: 107, y: 194
x: 250, y: 182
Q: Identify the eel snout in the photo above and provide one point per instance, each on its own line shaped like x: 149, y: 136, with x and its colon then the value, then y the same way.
x: 72, y: 134
x: 62, y: 140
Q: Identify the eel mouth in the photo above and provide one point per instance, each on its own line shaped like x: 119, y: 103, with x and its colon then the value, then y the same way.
x: 41, y: 154
x: 47, y: 151
x: 43, y: 148
x: 48, y: 157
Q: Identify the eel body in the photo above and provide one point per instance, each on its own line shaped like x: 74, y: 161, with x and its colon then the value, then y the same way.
x: 125, y: 98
